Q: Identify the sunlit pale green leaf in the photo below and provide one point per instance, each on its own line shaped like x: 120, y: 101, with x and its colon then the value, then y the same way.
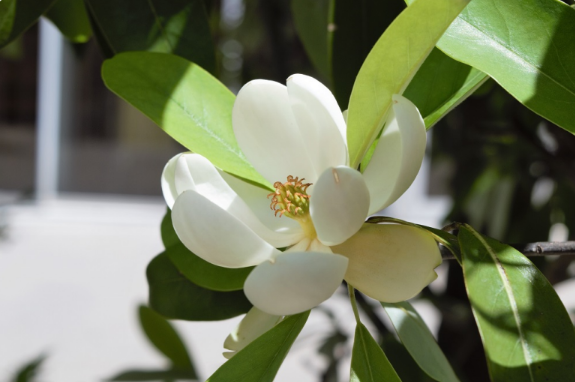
x: 174, y: 296
x: 177, y: 26
x: 440, y: 84
x: 261, y: 360
x: 526, y: 46
x: 184, y: 100
x: 18, y: 15
x: 165, y: 338
x: 355, y: 26
x: 71, y: 18
x: 368, y: 361
x: 311, y: 20
x: 419, y: 342
x: 526, y: 331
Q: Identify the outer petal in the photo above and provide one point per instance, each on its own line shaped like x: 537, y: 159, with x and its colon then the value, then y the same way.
x: 169, y: 181
x: 194, y: 172
x: 398, y: 155
x: 339, y: 204
x: 295, y: 281
x: 253, y: 325
x: 267, y: 132
x: 320, y: 121
x: 215, y: 235
x: 390, y: 262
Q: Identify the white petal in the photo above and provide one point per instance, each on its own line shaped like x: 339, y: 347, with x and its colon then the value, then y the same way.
x: 295, y: 281
x: 320, y: 121
x: 339, y: 204
x: 169, y: 181
x: 194, y: 172
x: 253, y: 325
x: 215, y: 235
x: 390, y: 262
x: 257, y: 199
x: 398, y: 155
x: 267, y: 132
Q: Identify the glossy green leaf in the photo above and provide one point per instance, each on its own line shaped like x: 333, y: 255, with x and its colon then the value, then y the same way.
x: 368, y: 361
x: 311, y: 19
x: 261, y: 360
x: 16, y: 16
x: 355, y: 27
x: 186, y: 101
x: 440, y: 84
x: 391, y: 65
x: 165, y: 338
x: 419, y: 342
x: 526, y: 46
x: 174, y: 296
x: 71, y: 18
x: 196, y: 269
x: 526, y: 331
x: 179, y: 27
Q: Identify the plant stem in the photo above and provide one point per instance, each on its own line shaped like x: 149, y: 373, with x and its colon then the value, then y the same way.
x: 351, y: 292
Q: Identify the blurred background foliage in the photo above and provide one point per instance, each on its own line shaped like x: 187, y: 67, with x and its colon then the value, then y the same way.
x: 510, y: 173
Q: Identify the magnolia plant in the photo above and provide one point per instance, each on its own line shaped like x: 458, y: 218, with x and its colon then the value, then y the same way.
x: 269, y: 211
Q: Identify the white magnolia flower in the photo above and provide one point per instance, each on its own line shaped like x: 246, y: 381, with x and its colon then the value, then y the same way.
x: 295, y: 137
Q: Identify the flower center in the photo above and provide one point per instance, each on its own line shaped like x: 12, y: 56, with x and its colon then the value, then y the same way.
x: 291, y: 199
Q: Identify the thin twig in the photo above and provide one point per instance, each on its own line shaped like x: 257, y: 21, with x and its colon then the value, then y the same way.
x: 540, y: 248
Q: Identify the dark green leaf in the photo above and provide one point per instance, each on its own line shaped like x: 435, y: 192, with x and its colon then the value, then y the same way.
x: 311, y: 22
x: 526, y: 331
x: 16, y: 16
x: 368, y: 361
x: 179, y: 27
x: 165, y: 338
x: 261, y: 360
x: 184, y: 100
x: 356, y: 26
x: 71, y: 18
x: 526, y: 46
x: 440, y: 84
x: 419, y: 342
x: 196, y: 269
x: 29, y: 371
x: 153, y: 375
x: 174, y: 296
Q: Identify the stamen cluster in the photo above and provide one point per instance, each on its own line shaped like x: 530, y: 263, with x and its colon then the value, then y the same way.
x: 290, y: 198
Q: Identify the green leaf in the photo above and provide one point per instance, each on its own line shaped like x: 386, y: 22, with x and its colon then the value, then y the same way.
x: 419, y: 342
x: 356, y: 26
x: 526, y: 46
x: 186, y: 101
x: 441, y: 84
x: 16, y: 16
x: 174, y: 296
x: 311, y: 20
x: 261, y: 360
x: 368, y: 361
x: 179, y: 27
x: 29, y: 371
x: 71, y: 18
x: 196, y: 269
x: 153, y: 375
x: 165, y: 338
x: 526, y: 331
x: 391, y: 65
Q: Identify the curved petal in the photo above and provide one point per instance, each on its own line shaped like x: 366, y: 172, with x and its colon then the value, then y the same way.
x: 267, y: 132
x: 320, y: 121
x: 398, y: 155
x: 169, y: 181
x: 295, y: 281
x: 194, y: 172
x: 215, y: 235
x: 253, y: 325
x: 390, y: 262
x: 339, y: 204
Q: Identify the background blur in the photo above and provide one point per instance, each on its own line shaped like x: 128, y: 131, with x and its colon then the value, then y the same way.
x: 80, y: 206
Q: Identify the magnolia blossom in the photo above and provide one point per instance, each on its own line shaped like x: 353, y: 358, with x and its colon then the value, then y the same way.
x: 295, y: 137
